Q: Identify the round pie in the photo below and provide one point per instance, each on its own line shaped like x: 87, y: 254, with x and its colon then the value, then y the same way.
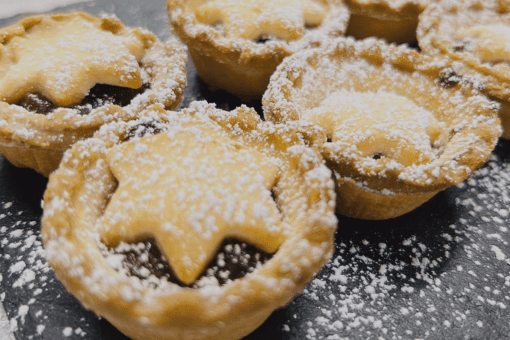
x: 476, y: 35
x: 398, y: 126
x: 236, y: 45
x: 392, y: 20
x: 65, y: 75
x: 190, y: 225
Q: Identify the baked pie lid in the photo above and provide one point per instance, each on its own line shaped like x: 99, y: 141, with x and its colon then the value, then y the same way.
x: 233, y: 27
x: 90, y: 51
x: 348, y: 87
x: 474, y: 33
x: 84, y: 195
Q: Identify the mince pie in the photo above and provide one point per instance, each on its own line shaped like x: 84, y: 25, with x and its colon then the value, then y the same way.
x: 476, y: 35
x: 236, y: 45
x: 63, y: 76
x: 190, y: 225
x: 398, y: 126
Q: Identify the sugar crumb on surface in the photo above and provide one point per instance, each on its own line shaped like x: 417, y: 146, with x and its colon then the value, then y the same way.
x: 434, y: 283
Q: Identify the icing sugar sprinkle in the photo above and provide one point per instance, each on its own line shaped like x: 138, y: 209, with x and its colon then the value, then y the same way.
x: 432, y: 286
x: 426, y: 277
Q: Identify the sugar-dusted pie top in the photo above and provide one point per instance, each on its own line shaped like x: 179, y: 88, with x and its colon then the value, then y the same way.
x: 63, y: 57
x: 256, y: 28
x: 474, y: 32
x: 190, y: 189
x: 254, y: 19
x: 379, y: 124
x: 445, y: 23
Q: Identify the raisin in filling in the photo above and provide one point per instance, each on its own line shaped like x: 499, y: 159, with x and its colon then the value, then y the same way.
x: 233, y: 261
x: 98, y: 96
x: 449, y: 78
x: 145, y: 129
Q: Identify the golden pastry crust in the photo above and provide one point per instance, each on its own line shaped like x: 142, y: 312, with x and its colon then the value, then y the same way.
x: 399, y: 126
x: 392, y: 20
x: 92, y: 184
x: 222, y: 37
x: 46, y: 56
x: 475, y: 34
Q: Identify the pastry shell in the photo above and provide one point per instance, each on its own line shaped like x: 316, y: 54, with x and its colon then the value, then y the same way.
x: 440, y: 31
x: 370, y: 187
x: 37, y: 141
x: 243, y: 66
x: 392, y: 20
x: 80, y: 189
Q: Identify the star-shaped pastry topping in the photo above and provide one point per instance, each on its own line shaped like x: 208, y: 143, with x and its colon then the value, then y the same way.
x: 379, y: 124
x: 64, y: 59
x: 492, y: 42
x: 254, y: 19
x: 189, y: 189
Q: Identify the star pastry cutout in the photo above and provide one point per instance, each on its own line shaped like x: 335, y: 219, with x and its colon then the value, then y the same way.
x: 63, y: 59
x: 189, y: 189
x: 253, y: 19
x: 379, y: 123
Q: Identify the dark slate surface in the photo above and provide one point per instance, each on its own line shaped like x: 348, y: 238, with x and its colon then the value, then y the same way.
x: 439, y: 272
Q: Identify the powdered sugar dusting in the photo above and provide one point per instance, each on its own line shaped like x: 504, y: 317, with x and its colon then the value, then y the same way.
x: 378, y: 123
x: 434, y: 284
x: 438, y: 272
x: 324, y: 21
x: 27, y: 277
x: 474, y: 32
x: 441, y: 272
x: 254, y: 19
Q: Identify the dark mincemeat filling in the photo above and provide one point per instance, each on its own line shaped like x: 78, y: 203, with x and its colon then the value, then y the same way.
x: 98, y: 96
x: 145, y: 129
x: 234, y: 260
x: 267, y: 38
x: 449, y: 78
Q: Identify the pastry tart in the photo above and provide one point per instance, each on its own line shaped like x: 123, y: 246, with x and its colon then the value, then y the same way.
x: 236, y: 45
x: 476, y: 34
x: 398, y: 127
x: 392, y: 20
x: 190, y: 225
x: 63, y: 76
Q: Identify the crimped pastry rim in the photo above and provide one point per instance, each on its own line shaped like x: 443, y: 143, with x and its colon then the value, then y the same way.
x: 60, y: 223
